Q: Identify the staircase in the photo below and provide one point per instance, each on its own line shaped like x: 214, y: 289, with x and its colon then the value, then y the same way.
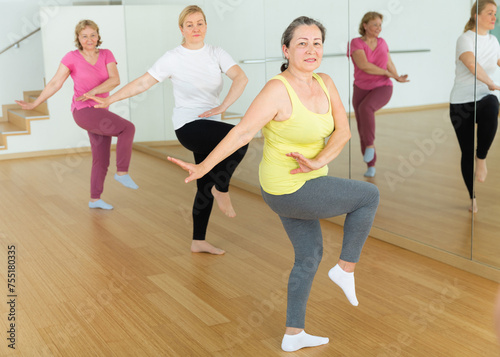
x: 16, y: 121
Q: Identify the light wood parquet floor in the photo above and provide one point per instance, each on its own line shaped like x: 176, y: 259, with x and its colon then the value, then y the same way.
x: 124, y: 283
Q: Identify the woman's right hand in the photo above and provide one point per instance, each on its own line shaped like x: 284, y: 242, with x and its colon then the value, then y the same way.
x: 402, y: 79
x: 103, y: 102
x: 26, y: 106
x: 493, y: 87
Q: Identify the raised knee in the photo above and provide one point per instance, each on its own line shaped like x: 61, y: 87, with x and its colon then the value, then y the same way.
x: 374, y: 193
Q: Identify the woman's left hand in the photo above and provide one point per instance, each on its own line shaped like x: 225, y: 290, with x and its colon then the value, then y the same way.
x: 195, y: 171
x: 212, y: 112
x: 402, y: 79
x: 305, y: 164
x: 85, y: 97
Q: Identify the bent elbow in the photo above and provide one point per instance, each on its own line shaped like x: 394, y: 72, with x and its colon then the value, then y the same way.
x: 245, y: 139
x: 243, y: 79
x: 471, y: 67
x: 115, y: 82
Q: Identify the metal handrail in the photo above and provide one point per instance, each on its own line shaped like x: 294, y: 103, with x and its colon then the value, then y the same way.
x: 19, y: 41
x: 278, y: 59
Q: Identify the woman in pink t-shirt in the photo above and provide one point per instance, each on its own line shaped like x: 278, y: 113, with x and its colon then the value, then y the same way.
x: 94, y: 73
x: 373, y: 69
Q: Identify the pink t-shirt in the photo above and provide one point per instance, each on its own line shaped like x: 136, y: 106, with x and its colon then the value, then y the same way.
x: 86, y: 76
x: 378, y: 57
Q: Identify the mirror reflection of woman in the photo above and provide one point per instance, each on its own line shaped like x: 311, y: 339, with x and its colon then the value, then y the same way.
x: 297, y: 111
x: 462, y: 95
x: 195, y: 69
x: 94, y: 72
x: 373, y: 70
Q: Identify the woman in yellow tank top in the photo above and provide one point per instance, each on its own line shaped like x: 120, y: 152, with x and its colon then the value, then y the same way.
x: 297, y: 110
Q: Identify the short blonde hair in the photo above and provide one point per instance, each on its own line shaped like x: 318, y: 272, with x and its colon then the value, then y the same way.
x: 189, y: 10
x: 471, y: 24
x: 371, y: 15
x: 80, y: 26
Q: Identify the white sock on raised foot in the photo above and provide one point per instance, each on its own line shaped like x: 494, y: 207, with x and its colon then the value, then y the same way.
x: 126, y: 181
x: 346, y: 282
x: 293, y: 343
x: 369, y: 155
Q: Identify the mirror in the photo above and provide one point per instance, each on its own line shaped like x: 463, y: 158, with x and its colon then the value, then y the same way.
x: 486, y: 248
x: 423, y: 197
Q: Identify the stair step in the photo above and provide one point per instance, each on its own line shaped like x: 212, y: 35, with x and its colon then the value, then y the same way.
x: 29, y: 114
x: 20, y: 117
x: 16, y: 121
x: 12, y: 129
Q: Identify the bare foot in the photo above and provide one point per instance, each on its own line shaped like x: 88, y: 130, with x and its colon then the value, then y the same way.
x: 481, y: 170
x: 473, y: 206
x: 201, y: 246
x: 224, y: 202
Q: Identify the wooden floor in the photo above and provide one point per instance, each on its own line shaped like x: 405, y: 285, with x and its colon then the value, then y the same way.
x: 123, y: 282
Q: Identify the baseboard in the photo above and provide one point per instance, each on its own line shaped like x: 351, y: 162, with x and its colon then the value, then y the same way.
x: 33, y: 154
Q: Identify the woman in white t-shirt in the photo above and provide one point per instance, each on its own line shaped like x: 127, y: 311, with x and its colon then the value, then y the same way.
x: 462, y: 95
x: 195, y: 69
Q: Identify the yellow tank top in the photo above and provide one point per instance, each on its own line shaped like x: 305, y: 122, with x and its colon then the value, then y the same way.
x: 303, y: 132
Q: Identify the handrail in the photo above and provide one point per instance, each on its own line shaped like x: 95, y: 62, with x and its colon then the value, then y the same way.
x: 19, y: 41
x: 277, y: 59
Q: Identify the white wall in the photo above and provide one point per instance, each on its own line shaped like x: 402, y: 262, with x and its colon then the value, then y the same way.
x: 21, y: 68
x: 146, y: 42
x: 60, y: 131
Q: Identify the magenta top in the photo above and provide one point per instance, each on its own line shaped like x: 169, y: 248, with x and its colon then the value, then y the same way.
x: 86, y: 76
x: 379, y: 57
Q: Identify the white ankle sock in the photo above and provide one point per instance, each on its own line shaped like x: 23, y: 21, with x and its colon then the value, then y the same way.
x: 293, y: 343
x: 370, y: 172
x: 346, y: 282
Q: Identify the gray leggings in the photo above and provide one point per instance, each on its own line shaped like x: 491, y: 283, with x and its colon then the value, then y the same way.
x: 300, y: 212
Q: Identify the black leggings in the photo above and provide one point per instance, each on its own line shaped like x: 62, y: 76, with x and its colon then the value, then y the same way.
x: 201, y: 137
x: 462, y: 118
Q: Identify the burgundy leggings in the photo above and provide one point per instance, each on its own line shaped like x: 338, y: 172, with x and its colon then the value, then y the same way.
x: 102, y: 125
x: 366, y: 103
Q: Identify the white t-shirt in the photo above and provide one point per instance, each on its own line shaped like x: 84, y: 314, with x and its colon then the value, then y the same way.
x: 488, y: 54
x: 196, y: 77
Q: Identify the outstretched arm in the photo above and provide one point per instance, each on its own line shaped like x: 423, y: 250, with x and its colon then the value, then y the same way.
x: 263, y: 109
x: 50, y: 89
x: 137, y: 86
x: 469, y: 60
x: 240, y: 80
